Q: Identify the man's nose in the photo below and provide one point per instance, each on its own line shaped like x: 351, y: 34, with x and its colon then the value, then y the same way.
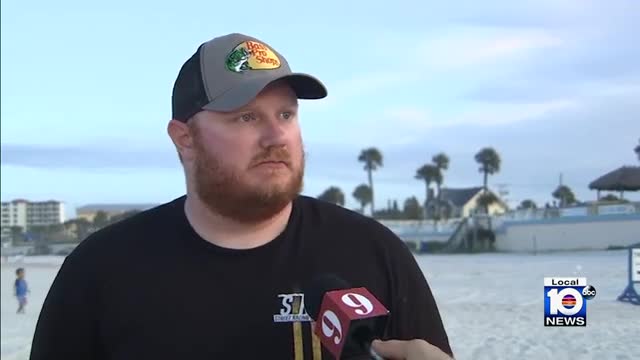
x: 273, y: 133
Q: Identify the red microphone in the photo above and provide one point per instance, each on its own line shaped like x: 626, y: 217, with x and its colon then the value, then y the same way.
x: 347, y: 319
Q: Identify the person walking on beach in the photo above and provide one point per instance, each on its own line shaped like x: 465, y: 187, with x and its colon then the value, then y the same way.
x: 21, y: 290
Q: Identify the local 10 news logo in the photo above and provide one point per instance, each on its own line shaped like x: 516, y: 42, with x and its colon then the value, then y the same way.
x: 565, y: 301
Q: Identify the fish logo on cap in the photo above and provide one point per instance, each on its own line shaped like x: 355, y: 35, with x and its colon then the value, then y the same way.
x: 252, y: 55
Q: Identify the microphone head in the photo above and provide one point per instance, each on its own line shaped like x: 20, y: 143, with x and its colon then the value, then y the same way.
x: 347, y: 318
x: 317, y: 288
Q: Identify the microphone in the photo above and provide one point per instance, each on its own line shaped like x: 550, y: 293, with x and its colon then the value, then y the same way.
x: 346, y: 319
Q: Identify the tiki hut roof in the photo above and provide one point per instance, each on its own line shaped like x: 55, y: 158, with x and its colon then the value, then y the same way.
x: 626, y: 178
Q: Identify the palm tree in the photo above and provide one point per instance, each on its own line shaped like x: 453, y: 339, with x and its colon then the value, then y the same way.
x: 429, y: 173
x: 565, y: 195
x: 333, y: 195
x: 101, y: 219
x: 489, y: 161
x: 609, y: 197
x: 528, y: 204
x: 441, y: 161
x: 486, y: 199
x: 372, y: 159
x: 412, y: 209
x: 362, y: 194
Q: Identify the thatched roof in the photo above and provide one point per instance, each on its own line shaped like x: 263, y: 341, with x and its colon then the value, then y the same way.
x: 626, y: 178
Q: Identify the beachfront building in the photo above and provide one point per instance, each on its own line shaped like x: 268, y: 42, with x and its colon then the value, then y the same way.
x: 461, y: 203
x: 19, y: 215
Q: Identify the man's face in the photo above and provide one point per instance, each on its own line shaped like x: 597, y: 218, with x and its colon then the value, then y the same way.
x: 249, y: 164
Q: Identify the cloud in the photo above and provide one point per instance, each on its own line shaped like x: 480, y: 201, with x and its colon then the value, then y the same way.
x: 598, y: 57
x: 518, y: 91
x: 472, y: 47
x: 496, y: 114
x: 416, y: 59
x: 341, y: 91
x: 90, y: 157
x: 411, y: 124
x: 504, y: 52
x: 597, y: 89
x: 408, y: 118
x: 556, y: 14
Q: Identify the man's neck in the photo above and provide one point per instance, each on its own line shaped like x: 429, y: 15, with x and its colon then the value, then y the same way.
x: 228, y: 233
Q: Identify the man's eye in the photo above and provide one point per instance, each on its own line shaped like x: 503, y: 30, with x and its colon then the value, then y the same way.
x: 247, y: 117
x: 287, y: 115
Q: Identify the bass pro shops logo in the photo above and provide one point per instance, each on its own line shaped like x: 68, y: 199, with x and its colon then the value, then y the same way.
x: 251, y: 55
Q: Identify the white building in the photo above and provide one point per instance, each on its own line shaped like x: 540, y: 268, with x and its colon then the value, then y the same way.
x: 14, y: 213
x: 25, y: 214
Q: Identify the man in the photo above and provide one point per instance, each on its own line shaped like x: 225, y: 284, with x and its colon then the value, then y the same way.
x: 216, y: 274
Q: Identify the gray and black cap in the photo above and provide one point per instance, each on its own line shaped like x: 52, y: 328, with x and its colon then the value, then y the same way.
x: 228, y: 72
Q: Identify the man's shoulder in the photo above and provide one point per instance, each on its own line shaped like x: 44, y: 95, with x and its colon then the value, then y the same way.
x: 338, y: 219
x: 327, y: 211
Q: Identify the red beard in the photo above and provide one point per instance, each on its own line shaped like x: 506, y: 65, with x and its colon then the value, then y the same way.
x: 225, y: 192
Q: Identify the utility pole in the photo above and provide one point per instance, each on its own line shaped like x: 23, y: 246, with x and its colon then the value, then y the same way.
x: 503, y: 193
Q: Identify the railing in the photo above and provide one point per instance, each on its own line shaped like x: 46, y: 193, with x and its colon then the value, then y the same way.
x: 428, y: 230
x: 456, y: 241
x: 442, y: 227
x: 613, y: 208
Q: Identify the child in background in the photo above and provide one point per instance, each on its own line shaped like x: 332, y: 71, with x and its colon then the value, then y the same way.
x: 21, y: 290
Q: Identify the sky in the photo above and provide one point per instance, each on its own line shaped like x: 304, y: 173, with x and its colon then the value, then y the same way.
x: 552, y: 85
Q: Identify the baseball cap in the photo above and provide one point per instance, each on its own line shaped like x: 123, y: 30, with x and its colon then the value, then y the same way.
x: 229, y: 71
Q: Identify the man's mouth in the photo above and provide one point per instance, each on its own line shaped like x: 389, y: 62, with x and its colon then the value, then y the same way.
x: 273, y: 162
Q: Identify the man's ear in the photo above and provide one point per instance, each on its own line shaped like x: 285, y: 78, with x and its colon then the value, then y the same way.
x: 182, y: 138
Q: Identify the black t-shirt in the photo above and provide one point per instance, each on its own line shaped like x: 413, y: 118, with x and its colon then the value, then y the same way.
x: 150, y: 288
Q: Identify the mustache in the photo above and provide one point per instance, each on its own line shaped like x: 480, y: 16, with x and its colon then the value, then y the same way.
x: 273, y: 154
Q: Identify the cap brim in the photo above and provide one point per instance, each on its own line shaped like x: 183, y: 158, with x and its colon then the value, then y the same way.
x: 305, y: 86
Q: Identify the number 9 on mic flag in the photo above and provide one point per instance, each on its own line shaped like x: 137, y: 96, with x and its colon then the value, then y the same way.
x: 349, y: 319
